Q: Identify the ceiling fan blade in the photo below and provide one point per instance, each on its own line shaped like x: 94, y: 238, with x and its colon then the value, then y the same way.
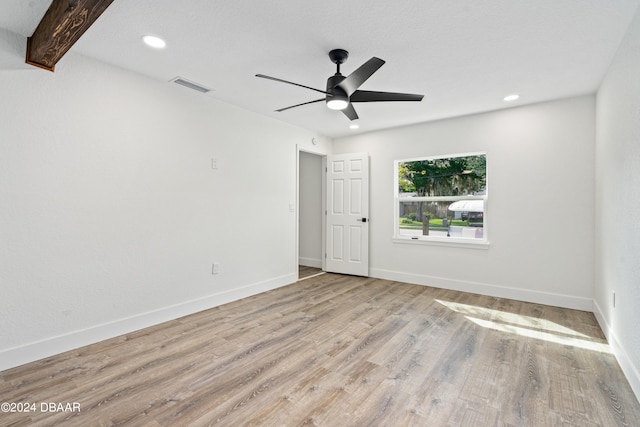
x: 372, y: 96
x: 262, y: 76
x: 353, y: 81
x: 350, y: 112
x: 298, y: 105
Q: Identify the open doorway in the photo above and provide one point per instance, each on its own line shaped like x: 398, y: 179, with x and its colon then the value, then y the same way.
x: 310, y: 214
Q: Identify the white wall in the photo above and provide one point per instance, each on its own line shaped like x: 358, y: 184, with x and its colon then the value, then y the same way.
x: 618, y: 205
x: 111, y: 214
x: 540, y: 218
x: 310, y: 210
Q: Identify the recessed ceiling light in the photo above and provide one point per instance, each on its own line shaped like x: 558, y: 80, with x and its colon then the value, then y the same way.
x: 354, y: 126
x: 154, y: 42
x: 512, y: 97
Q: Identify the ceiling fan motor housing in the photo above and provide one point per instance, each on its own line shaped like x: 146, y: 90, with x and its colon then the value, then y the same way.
x: 333, y: 91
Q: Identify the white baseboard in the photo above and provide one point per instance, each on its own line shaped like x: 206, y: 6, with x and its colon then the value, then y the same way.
x: 17, y: 356
x: 630, y: 371
x: 310, y: 262
x: 547, y: 298
x: 604, y: 325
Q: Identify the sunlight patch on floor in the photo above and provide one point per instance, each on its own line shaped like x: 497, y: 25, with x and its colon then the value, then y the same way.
x: 527, y: 326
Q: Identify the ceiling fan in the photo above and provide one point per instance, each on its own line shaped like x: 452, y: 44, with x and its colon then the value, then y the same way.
x: 342, y: 91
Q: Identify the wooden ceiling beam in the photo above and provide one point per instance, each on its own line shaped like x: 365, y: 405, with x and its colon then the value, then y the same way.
x: 61, y: 26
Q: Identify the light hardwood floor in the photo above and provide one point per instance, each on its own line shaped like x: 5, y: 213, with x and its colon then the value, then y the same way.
x: 340, y: 351
x: 305, y: 271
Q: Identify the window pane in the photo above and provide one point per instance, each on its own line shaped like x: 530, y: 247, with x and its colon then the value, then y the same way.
x: 447, y: 176
x: 461, y: 219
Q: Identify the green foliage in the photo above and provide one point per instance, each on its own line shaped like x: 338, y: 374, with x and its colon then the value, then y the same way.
x: 406, y: 186
x: 453, y: 176
x: 435, y: 223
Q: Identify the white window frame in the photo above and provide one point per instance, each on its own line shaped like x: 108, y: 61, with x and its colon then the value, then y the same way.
x: 473, y: 243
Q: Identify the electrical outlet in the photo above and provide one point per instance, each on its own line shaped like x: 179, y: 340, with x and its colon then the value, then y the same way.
x: 215, y: 268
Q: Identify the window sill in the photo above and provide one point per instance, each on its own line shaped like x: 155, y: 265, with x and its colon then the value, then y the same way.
x: 443, y: 241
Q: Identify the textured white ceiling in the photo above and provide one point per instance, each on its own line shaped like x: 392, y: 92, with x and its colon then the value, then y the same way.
x: 463, y: 55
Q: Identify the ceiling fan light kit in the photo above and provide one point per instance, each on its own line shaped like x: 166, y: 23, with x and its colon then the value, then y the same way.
x: 342, y: 91
x: 337, y: 103
x: 337, y: 99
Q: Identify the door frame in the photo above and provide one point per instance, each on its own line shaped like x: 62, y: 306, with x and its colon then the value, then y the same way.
x: 323, y: 237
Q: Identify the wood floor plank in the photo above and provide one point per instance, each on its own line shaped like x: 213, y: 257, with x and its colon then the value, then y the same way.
x: 340, y: 350
x: 306, y: 271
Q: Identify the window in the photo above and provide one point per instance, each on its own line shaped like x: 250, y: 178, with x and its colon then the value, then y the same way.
x: 442, y: 200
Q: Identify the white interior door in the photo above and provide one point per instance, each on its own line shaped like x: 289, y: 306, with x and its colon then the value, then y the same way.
x: 347, y: 227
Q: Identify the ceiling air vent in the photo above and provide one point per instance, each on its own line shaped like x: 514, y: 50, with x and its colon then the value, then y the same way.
x: 191, y: 85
